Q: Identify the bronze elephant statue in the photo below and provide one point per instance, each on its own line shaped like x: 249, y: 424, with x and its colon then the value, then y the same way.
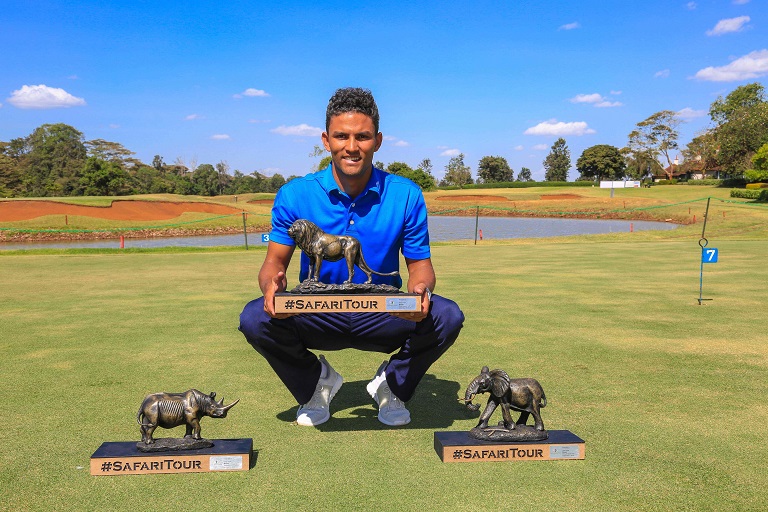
x: 523, y: 395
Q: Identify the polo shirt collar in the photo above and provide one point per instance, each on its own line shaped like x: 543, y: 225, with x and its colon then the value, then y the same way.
x: 375, y: 183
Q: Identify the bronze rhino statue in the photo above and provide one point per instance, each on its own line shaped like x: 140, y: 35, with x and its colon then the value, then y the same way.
x: 170, y: 410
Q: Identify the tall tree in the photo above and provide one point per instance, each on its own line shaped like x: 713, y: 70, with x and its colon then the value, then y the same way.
x: 601, y: 161
x: 222, y: 169
x: 206, y: 180
x: 524, y: 175
x: 656, y: 136
x: 103, y: 178
x: 742, y: 128
x: 457, y: 173
x: 557, y: 162
x: 494, y: 169
x: 744, y: 96
x: 55, y: 158
x: 108, y: 151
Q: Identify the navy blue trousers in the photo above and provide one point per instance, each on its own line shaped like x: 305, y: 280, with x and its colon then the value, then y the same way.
x: 286, y: 343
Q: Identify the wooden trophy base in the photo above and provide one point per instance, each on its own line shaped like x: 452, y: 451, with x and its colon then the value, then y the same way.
x: 123, y: 458
x: 459, y: 447
x: 353, y: 303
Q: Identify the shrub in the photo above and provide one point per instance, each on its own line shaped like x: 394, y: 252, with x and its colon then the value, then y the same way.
x: 734, y: 183
x: 746, y: 193
x: 666, y: 182
x: 707, y: 181
x: 756, y: 186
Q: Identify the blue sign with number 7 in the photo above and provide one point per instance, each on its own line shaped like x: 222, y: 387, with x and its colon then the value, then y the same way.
x: 708, y: 255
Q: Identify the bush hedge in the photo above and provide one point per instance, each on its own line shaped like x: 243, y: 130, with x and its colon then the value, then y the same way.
x: 707, y: 181
x: 520, y: 184
x: 744, y: 193
x: 756, y: 186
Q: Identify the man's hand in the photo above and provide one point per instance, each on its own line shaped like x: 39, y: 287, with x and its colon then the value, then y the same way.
x: 272, y: 278
x: 415, y: 316
x: 278, y: 284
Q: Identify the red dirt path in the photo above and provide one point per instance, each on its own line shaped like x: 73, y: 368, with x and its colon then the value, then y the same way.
x: 119, y: 210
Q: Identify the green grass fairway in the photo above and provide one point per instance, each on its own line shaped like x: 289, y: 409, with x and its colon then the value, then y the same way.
x: 670, y: 396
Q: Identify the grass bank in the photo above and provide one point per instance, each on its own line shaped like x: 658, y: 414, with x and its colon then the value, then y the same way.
x: 668, y: 395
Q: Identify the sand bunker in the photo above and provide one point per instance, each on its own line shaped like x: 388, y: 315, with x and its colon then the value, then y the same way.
x: 476, y: 197
x: 119, y: 210
x: 551, y: 197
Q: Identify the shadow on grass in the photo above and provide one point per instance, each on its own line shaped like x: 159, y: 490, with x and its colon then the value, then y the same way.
x: 434, y: 405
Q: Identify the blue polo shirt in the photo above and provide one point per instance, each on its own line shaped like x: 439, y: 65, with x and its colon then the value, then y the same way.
x: 388, y: 217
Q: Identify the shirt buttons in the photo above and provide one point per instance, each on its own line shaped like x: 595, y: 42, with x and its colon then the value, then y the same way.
x: 352, y: 205
x: 351, y: 222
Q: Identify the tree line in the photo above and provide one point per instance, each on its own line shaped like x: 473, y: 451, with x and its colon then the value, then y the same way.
x: 56, y: 160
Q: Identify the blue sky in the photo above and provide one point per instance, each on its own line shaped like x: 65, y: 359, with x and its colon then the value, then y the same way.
x: 248, y: 82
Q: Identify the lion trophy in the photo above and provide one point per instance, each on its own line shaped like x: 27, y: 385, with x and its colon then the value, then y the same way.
x: 320, y: 246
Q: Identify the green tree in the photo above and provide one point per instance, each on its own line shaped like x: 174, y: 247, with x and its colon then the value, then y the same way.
x: 54, y: 154
x: 457, y: 173
x: 10, y: 174
x: 108, y: 151
x: 759, y: 171
x: 222, y: 169
x: 399, y: 168
x: 742, y: 127
x: 524, y: 175
x: 745, y: 96
x: 101, y: 178
x: 557, y: 162
x: 601, y: 161
x: 656, y: 136
x: 494, y: 169
x: 158, y: 164
x: 324, y: 162
x: 205, y: 180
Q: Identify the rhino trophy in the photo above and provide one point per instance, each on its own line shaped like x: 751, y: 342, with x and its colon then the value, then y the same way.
x: 170, y: 410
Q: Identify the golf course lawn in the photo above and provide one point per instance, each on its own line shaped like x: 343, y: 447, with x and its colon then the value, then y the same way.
x: 669, y: 395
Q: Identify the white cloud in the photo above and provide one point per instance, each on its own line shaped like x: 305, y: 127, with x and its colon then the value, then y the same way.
x: 729, y: 25
x: 401, y: 144
x: 519, y: 148
x: 256, y: 121
x: 691, y: 6
x: 664, y: 73
x: 539, y: 147
x: 615, y: 93
x: 587, y: 98
x: 608, y: 104
x: 73, y: 77
x: 752, y: 65
x: 570, y: 26
x: 559, y: 128
x: 253, y: 93
x: 740, y: 2
x: 192, y: 117
x: 220, y: 136
x: 595, y: 99
x: 42, y: 96
x: 689, y: 113
x: 114, y: 126
x: 302, y: 130
x: 450, y: 152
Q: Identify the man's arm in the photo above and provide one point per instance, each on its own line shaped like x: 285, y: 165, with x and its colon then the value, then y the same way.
x: 272, y: 275
x: 421, y: 280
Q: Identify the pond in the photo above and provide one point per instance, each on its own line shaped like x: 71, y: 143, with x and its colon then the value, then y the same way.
x: 441, y: 229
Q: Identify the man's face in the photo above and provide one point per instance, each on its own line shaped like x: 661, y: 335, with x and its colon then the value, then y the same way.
x: 352, y: 140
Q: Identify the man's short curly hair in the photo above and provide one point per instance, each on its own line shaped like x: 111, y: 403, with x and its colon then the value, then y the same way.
x: 352, y: 99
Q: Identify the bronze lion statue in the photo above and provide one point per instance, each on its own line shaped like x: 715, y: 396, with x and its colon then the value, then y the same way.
x: 319, y: 245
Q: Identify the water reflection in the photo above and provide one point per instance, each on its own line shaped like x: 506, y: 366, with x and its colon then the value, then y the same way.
x: 441, y: 229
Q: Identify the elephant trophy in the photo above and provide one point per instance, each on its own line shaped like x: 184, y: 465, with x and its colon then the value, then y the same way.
x: 523, y: 395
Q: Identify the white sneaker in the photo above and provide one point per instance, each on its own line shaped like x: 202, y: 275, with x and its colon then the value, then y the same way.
x: 316, y: 411
x: 392, y: 410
